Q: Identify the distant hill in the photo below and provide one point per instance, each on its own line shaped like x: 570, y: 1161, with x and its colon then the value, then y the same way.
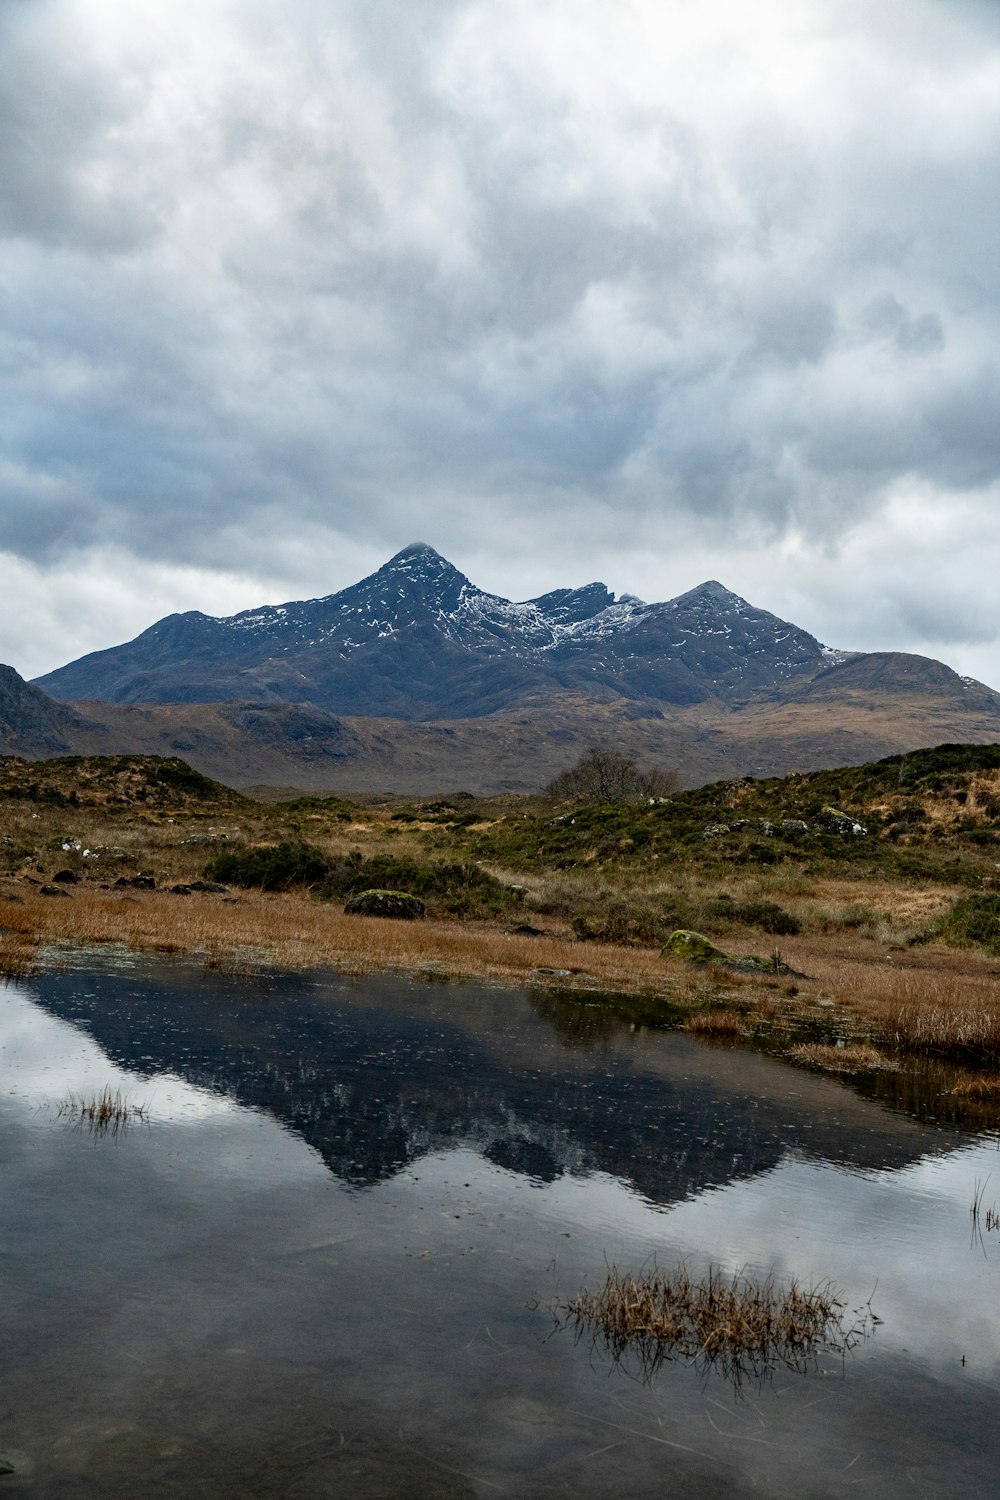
x: 115, y: 782
x: 832, y: 721
x: 32, y: 724
x: 414, y: 680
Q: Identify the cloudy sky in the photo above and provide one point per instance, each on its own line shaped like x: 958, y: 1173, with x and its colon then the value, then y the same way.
x: 648, y: 292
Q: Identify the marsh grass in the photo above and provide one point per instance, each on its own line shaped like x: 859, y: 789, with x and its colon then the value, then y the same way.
x: 104, y: 1113
x: 979, y: 1086
x: 294, y: 931
x: 847, y: 1057
x: 980, y: 1220
x: 18, y: 957
x: 930, y: 999
x: 716, y: 1024
x: 732, y: 1323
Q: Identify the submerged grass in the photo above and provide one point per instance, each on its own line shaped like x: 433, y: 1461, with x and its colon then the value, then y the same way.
x: 104, y: 1113
x: 980, y: 1220
x: 979, y: 1086
x: 730, y: 1322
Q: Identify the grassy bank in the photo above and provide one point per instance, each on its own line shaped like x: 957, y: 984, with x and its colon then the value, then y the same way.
x: 878, y: 886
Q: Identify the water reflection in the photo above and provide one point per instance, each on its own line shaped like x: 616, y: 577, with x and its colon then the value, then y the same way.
x: 253, y: 1297
x: 375, y: 1074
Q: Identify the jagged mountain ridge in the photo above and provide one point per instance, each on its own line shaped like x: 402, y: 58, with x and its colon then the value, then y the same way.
x: 414, y: 680
x: 417, y: 640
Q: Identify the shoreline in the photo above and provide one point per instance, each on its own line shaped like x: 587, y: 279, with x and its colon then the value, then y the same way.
x: 852, y: 1008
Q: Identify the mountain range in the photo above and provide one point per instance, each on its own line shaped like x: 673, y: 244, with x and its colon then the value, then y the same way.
x: 416, y: 680
x: 418, y: 641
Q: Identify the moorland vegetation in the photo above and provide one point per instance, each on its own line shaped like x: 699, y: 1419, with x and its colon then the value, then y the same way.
x: 867, y: 897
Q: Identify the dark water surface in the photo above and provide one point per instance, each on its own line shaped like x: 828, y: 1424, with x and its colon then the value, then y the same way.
x: 327, y: 1266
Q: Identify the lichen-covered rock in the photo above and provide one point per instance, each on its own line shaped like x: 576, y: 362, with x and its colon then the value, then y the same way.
x: 693, y: 946
x: 750, y: 964
x: 698, y: 949
x: 385, y: 904
x: 842, y: 822
x: 716, y: 831
x: 794, y: 825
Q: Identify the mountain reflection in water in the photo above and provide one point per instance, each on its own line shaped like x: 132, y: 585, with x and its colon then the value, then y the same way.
x: 374, y: 1074
x: 329, y: 1266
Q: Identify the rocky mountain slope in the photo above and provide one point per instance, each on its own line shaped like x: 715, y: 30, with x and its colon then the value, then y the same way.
x: 414, y: 681
x: 418, y: 641
x: 32, y: 724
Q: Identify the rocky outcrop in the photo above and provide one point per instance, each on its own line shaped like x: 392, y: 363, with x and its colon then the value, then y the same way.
x: 385, y: 904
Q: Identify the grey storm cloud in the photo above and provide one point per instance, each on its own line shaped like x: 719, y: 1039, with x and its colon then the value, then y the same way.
x: 384, y: 270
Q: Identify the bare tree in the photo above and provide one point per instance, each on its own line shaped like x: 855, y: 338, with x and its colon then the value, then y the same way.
x: 603, y: 775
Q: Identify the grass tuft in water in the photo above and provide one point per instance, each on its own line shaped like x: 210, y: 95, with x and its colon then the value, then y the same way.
x: 991, y: 1218
x: 105, y: 1113
x: 732, y: 1323
x: 849, y: 1057
x: 979, y: 1086
x: 717, y: 1024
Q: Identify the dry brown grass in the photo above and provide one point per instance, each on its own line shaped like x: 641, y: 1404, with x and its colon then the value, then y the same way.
x: 719, y: 1025
x: 295, y: 931
x: 928, y: 999
x: 734, y: 1323
x: 850, y: 1057
x: 979, y: 1086
x: 18, y: 956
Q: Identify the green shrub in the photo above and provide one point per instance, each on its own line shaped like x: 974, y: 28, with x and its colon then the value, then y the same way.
x: 768, y: 916
x: 449, y: 888
x: 271, y: 867
x: 974, y: 921
x: 626, y: 923
x: 630, y: 922
x: 456, y: 889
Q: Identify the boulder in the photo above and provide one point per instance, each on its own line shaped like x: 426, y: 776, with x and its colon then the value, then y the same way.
x: 841, y: 822
x: 65, y: 877
x: 696, y: 948
x: 385, y: 904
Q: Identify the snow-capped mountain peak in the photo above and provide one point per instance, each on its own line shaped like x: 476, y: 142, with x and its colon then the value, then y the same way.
x: 418, y: 639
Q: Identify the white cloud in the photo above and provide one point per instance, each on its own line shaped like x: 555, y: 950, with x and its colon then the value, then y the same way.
x: 652, y: 292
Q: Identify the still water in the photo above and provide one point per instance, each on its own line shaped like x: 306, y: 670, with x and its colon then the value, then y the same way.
x: 328, y: 1264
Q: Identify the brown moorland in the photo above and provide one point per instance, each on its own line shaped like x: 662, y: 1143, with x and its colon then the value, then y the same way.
x: 887, y: 939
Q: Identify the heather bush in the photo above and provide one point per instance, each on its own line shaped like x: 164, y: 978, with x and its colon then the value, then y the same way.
x: 974, y: 921
x: 448, y: 888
